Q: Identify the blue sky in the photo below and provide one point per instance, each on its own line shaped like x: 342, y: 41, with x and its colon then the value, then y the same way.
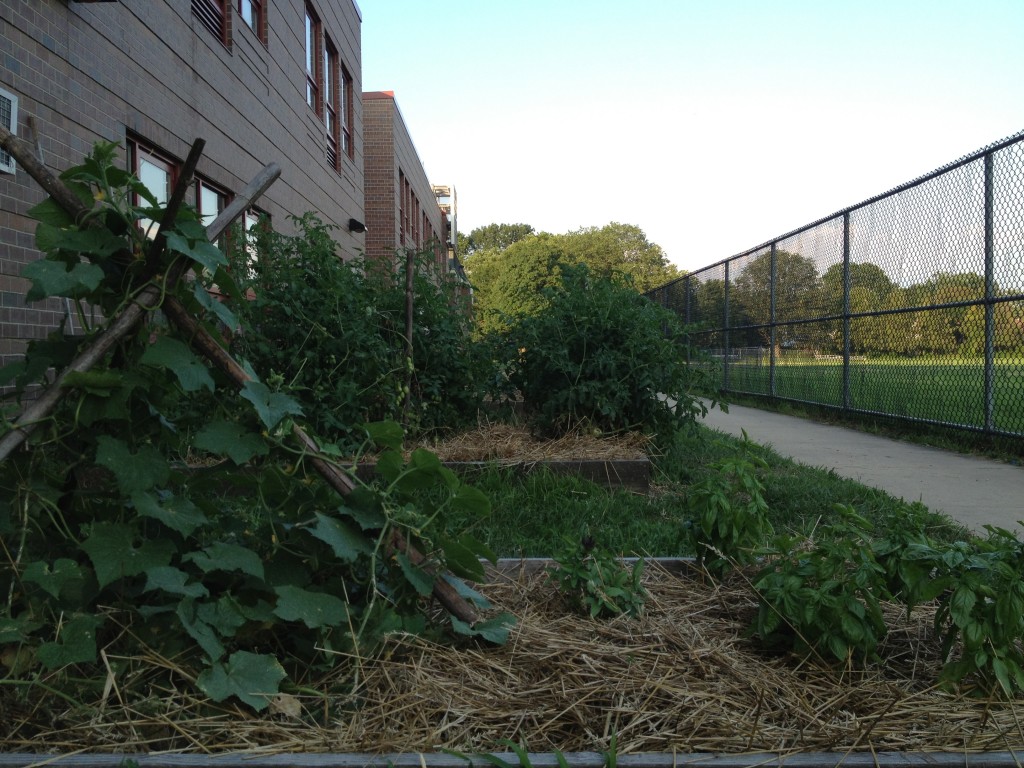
x: 713, y: 126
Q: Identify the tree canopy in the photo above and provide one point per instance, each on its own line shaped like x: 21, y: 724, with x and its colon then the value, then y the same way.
x: 494, y: 237
x: 509, y: 264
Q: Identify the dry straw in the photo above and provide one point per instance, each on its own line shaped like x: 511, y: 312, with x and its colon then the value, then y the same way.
x: 682, y: 677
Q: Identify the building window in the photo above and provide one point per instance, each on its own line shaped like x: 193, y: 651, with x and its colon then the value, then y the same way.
x: 401, y: 207
x: 331, y: 100
x: 254, y: 14
x: 9, y: 120
x: 347, y: 146
x: 213, y: 14
x: 253, y: 220
x: 157, y: 173
x: 210, y: 201
x: 314, y: 61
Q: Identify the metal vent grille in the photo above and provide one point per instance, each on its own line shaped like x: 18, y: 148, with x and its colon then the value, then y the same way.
x: 211, y: 14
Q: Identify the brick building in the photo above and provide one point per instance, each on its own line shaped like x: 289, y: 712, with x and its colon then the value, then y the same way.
x: 402, y: 211
x: 259, y: 80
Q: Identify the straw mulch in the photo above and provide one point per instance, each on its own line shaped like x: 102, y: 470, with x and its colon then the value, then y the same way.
x: 682, y: 677
x: 500, y: 442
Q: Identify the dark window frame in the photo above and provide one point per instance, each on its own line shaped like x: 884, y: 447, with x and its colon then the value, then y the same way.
x: 314, y: 61
x: 332, y: 97
x: 258, y: 13
x: 139, y: 150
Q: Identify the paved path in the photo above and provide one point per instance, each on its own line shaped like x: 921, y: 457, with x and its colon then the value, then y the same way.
x: 971, y: 490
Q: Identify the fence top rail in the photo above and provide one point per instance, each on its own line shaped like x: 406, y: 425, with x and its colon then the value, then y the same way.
x: 951, y: 166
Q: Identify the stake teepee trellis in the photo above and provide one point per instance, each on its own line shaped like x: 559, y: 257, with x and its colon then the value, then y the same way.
x: 155, y: 296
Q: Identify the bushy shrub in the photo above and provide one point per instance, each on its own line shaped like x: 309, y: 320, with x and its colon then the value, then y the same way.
x: 335, y: 330
x: 605, y: 357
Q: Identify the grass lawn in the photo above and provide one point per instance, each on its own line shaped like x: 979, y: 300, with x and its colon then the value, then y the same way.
x: 536, y: 515
x: 945, y: 389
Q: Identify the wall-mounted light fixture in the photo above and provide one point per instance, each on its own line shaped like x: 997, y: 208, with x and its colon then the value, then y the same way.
x: 355, y: 225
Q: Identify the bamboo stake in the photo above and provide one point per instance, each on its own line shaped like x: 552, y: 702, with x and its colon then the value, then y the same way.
x: 154, y: 297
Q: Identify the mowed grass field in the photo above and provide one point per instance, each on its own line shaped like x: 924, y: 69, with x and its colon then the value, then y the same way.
x: 944, y: 389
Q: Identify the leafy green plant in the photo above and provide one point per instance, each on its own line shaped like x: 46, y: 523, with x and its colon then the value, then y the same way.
x: 823, y: 598
x: 334, y: 330
x: 605, y: 357
x: 981, y: 612
x: 729, y: 522
x: 160, y: 507
x: 597, y: 582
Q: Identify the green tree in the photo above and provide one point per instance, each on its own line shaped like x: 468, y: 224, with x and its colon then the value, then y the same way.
x: 870, y: 277
x: 870, y: 288
x: 707, y: 311
x: 508, y: 284
x: 797, y: 294
x: 494, y: 237
x: 943, y: 331
x: 620, y: 248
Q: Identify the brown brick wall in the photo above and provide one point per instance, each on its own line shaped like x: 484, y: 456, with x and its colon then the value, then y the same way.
x: 389, y: 153
x: 148, y: 68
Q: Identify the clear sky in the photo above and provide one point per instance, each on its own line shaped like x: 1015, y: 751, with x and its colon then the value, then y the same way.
x: 713, y: 125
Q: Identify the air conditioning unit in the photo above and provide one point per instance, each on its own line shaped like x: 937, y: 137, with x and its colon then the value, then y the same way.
x: 9, y: 120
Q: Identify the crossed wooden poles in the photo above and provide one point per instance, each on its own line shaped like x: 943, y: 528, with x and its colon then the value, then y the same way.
x: 156, y: 296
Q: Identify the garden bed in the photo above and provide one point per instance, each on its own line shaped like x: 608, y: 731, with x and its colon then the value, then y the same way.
x: 617, y: 461
x: 680, y: 678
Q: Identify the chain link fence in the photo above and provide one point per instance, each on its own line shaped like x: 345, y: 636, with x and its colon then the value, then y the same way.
x: 909, y: 305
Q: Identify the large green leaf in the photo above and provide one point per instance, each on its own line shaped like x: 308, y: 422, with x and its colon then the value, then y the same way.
x: 251, y: 677
x: 231, y: 439
x: 217, y: 308
x: 173, y: 580
x: 462, y: 559
x: 271, y: 406
x: 52, y: 213
x: 364, y: 509
x: 53, y: 278
x: 76, y: 643
x: 471, y: 500
x: 53, y: 578
x: 97, y: 242
x: 466, y: 592
x: 494, y: 630
x: 422, y: 581
x: 961, y: 605
x: 200, y: 630
x: 134, y: 471
x: 314, y: 609
x: 114, y: 553
x: 385, y: 434
x: 175, y: 356
x: 221, y: 556
x: 346, y: 542
x: 225, y: 615
x: 203, y: 252
x: 17, y: 630
x: 176, y: 513
x: 390, y: 465
x: 423, y: 472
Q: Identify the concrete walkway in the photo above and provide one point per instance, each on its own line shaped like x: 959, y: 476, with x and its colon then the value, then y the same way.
x: 971, y: 490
